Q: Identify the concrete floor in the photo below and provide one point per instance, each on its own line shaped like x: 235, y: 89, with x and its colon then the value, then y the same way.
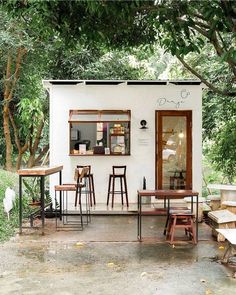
x: 106, y: 258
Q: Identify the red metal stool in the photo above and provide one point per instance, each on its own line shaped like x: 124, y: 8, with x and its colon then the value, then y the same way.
x: 182, y: 220
x: 118, y: 172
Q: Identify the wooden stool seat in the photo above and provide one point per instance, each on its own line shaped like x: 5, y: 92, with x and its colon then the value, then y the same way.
x: 181, y: 220
x: 118, y: 172
x: 65, y: 187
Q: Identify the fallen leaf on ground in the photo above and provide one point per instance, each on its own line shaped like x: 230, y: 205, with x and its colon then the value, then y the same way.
x: 143, y: 274
x: 221, y: 247
x: 208, y: 292
x: 79, y: 244
x: 110, y: 264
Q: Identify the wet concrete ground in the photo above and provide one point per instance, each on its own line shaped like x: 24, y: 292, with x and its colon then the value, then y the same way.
x: 107, y: 259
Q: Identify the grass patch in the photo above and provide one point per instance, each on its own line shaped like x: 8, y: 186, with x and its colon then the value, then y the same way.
x: 8, y: 227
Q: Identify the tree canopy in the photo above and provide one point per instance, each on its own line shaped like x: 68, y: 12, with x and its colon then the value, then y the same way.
x: 97, y: 40
x: 181, y: 27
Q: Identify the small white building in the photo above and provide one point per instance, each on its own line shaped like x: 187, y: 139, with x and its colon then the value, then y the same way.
x: 152, y: 127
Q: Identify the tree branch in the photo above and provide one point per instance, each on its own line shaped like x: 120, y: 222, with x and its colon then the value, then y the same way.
x: 218, y: 48
x: 202, y: 25
x: 210, y: 85
x: 8, y: 75
x: 31, y: 139
x: 38, y: 135
x: 21, y: 149
x: 20, y: 53
x: 15, y: 129
x: 225, y: 46
x: 225, y: 6
x: 215, y: 42
x: 41, y: 154
x: 201, y: 17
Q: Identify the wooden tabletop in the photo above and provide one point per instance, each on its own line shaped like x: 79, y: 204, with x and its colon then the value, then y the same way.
x: 167, y: 193
x: 39, y: 171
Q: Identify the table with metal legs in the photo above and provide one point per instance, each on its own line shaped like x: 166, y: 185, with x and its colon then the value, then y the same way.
x: 166, y: 195
x: 40, y: 172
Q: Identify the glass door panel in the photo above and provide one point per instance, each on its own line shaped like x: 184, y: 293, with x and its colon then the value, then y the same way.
x: 174, y: 150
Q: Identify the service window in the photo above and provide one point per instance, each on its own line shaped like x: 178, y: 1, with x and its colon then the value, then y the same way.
x: 104, y: 132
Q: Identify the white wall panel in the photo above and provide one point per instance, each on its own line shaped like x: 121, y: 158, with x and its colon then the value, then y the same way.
x: 143, y: 101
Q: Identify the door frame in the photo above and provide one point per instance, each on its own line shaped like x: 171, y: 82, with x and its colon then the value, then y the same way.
x: 158, y: 148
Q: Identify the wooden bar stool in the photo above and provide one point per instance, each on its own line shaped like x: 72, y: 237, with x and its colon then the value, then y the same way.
x: 118, y: 172
x: 184, y: 221
x: 174, y: 210
x: 92, y: 197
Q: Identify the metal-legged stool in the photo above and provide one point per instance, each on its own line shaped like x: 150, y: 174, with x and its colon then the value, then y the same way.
x: 64, y: 211
x: 118, y: 172
x: 92, y: 197
x: 181, y: 220
x: 81, y: 177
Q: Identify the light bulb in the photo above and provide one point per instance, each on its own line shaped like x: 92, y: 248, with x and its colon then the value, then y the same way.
x: 181, y: 134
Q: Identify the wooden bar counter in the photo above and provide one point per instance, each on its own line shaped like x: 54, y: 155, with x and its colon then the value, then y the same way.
x: 41, y: 172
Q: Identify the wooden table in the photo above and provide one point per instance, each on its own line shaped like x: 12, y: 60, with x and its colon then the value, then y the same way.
x: 166, y: 195
x: 41, y: 172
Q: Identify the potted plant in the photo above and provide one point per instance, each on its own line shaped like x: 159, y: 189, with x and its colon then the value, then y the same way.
x: 32, y: 191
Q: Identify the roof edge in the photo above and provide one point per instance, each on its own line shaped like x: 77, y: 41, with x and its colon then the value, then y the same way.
x: 46, y: 83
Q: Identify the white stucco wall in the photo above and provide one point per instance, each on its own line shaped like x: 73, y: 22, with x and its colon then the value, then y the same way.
x: 143, y: 101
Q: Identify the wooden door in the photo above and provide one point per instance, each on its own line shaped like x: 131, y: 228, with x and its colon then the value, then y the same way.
x: 174, y: 149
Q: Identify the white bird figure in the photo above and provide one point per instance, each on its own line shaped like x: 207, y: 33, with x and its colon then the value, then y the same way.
x: 8, y: 201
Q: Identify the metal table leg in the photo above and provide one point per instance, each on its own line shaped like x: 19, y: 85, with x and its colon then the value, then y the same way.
x: 197, y: 218
x: 139, y: 218
x: 42, y: 190
x: 168, y: 216
x: 20, y: 204
x: 60, y: 196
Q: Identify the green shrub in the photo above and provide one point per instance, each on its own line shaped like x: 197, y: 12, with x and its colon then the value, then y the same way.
x: 210, y: 175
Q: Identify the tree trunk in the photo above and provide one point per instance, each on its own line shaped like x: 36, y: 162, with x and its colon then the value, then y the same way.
x: 31, y: 161
x: 21, y: 149
x: 9, y: 86
x: 43, y: 156
x: 6, y: 128
x: 34, y: 146
x: 18, y: 161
